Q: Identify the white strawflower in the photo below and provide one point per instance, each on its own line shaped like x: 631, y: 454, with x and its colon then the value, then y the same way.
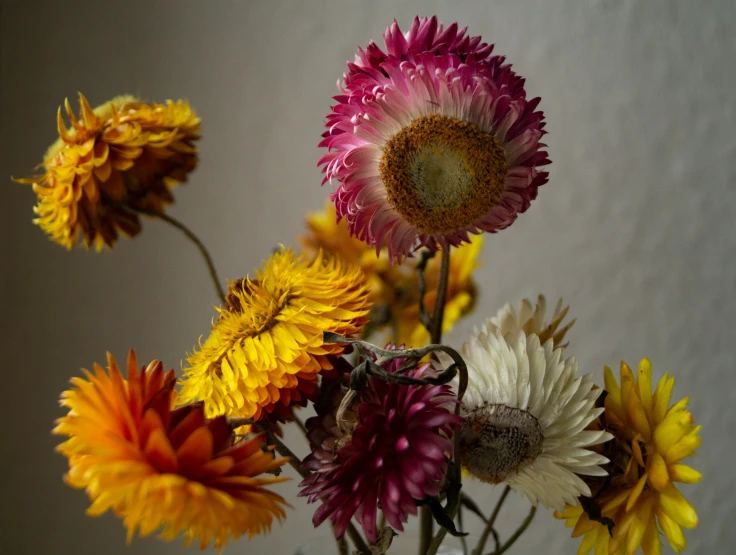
x: 526, y: 412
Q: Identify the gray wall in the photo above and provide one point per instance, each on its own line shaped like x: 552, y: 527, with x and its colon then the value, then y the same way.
x: 635, y: 228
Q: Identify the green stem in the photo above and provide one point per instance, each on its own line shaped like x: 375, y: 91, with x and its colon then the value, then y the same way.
x: 194, y: 239
x: 491, y: 521
x: 519, y: 531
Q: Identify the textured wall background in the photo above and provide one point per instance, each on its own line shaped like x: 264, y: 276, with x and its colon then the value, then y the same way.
x: 635, y: 229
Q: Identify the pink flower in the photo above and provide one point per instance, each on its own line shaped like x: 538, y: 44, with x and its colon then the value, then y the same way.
x: 394, y: 451
x: 431, y: 140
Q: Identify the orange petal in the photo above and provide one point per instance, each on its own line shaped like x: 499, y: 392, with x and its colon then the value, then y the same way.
x: 159, y: 452
x: 195, y: 451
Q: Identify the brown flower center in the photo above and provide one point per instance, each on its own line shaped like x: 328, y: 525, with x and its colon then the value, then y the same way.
x: 442, y: 174
x: 496, y: 440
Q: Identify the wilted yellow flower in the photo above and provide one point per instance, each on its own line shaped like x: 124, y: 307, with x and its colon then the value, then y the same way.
x: 117, y: 159
x: 651, y: 438
x: 395, y: 288
x: 266, y: 348
x: 163, y: 468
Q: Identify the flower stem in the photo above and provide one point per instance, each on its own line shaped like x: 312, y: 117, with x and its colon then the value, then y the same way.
x: 194, y: 239
x: 426, y: 520
x: 519, y: 531
x: 439, y: 306
x: 491, y: 521
x: 296, y: 464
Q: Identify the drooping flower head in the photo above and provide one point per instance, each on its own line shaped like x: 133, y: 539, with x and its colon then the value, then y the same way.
x: 431, y: 140
x: 163, y: 468
x: 640, y: 498
x: 120, y: 158
x: 394, y: 289
x: 266, y: 348
x: 531, y: 318
x: 393, y: 452
x: 526, y: 411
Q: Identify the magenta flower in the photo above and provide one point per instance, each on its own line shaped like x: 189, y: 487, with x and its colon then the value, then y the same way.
x: 393, y: 452
x: 431, y: 140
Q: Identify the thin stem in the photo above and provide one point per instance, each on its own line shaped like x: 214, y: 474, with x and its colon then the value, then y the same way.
x: 300, y: 425
x: 427, y: 544
x: 491, y: 521
x: 194, y: 239
x: 439, y: 307
x: 296, y: 464
x: 461, y: 528
x: 426, y: 524
x: 519, y: 531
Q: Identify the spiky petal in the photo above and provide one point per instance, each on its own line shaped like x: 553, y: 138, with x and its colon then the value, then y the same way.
x: 652, y: 438
x: 163, y: 468
x: 395, y: 454
x: 431, y: 140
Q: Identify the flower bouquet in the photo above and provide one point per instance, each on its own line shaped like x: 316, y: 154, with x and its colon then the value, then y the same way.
x: 431, y: 143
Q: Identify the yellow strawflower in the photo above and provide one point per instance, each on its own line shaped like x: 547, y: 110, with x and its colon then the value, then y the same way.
x: 640, y: 498
x: 266, y: 348
x: 115, y: 160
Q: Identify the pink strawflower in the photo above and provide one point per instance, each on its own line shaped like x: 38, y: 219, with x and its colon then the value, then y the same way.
x: 392, y: 450
x: 431, y: 140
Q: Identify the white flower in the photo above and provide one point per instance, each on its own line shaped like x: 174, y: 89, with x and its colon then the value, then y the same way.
x: 526, y: 412
x: 531, y: 319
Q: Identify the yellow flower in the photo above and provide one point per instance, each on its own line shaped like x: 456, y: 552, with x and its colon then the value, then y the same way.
x: 651, y: 438
x: 393, y: 288
x: 163, y: 468
x: 266, y: 348
x: 118, y: 159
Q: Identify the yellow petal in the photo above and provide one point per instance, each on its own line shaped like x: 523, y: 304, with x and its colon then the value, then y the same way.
x: 672, y: 531
x: 685, y: 474
x: 685, y: 447
x: 650, y: 543
x: 636, y: 492
x: 639, y: 526
x: 673, y: 428
x: 662, y: 398
x: 633, y: 407
x: 659, y: 477
x: 613, y: 399
x: 675, y: 505
x: 644, y: 385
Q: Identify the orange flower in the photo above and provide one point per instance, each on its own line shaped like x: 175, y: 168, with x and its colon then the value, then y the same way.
x: 116, y: 160
x: 160, y: 467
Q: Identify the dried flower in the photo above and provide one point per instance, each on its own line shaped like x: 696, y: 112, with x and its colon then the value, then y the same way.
x: 526, y: 411
x: 640, y: 498
x: 431, y: 140
x: 393, y: 452
x: 266, y: 348
x: 160, y: 467
x: 116, y: 160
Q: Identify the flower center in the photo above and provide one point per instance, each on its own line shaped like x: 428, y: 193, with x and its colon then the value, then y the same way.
x: 496, y: 440
x: 442, y: 174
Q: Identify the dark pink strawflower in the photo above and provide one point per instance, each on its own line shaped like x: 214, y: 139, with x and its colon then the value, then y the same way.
x: 431, y: 140
x: 395, y: 454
